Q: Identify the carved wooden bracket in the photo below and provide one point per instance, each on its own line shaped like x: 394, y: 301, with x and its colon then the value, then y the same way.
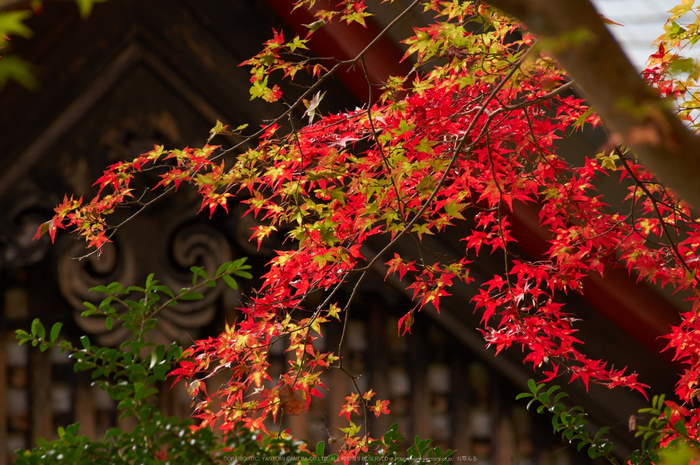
x: 130, y: 257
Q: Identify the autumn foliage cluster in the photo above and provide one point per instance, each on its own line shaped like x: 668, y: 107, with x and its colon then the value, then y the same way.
x: 462, y: 142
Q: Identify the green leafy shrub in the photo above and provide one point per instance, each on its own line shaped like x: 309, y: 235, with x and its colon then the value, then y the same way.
x: 664, y: 440
x: 129, y: 374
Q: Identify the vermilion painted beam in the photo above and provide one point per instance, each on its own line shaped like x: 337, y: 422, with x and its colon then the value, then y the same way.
x: 345, y: 42
x: 634, y: 307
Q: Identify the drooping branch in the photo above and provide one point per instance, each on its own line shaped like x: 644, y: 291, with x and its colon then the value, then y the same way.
x: 576, y: 35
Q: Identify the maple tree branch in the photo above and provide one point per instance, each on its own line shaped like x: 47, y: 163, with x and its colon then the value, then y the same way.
x: 453, y: 159
x: 654, y: 203
x: 346, y: 309
x: 285, y: 115
x: 384, y: 32
x: 320, y: 80
x: 576, y: 35
x: 440, y: 183
x: 543, y: 159
x: 363, y: 402
x: 426, y: 204
x: 564, y: 181
x: 502, y: 234
x: 114, y: 229
x: 380, y: 148
x: 636, y: 230
x: 541, y: 98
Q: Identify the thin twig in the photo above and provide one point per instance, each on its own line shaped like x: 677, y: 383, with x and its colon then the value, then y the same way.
x: 322, y: 79
x: 654, y: 203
